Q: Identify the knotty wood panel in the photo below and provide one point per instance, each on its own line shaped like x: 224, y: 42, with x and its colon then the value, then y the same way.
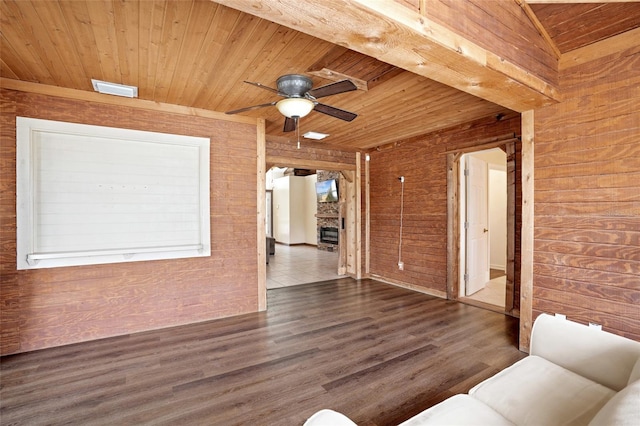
x: 587, y: 208
x: 51, y: 307
x: 376, y: 352
x: 422, y: 161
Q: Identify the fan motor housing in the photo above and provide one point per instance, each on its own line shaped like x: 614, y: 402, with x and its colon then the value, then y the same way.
x: 294, y: 85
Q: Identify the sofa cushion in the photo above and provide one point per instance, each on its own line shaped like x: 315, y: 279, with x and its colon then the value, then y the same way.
x: 537, y: 392
x: 328, y: 417
x: 635, y: 373
x: 458, y: 410
x: 621, y: 410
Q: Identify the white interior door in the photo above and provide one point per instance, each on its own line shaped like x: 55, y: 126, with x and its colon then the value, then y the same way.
x: 477, y: 263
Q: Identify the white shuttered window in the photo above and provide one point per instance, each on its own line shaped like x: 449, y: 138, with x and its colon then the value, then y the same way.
x: 92, y: 194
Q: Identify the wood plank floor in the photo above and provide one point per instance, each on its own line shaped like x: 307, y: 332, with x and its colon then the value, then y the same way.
x: 378, y: 353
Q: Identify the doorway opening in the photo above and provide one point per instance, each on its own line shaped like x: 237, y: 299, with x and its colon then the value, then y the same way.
x: 483, y: 240
x: 474, y: 232
x: 312, y: 231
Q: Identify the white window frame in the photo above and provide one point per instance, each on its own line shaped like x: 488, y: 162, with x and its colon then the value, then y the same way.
x: 29, y: 134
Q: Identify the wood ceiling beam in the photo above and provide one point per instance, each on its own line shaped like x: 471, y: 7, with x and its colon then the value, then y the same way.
x: 394, y: 34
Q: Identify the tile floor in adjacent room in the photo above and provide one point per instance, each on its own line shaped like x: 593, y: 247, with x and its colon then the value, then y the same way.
x: 493, y: 293
x: 303, y: 264
x: 300, y: 264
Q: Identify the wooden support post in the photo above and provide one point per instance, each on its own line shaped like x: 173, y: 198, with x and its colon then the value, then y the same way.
x: 509, y: 304
x: 526, y: 284
x: 358, y: 217
x: 261, y: 214
x: 453, y: 231
x: 367, y: 211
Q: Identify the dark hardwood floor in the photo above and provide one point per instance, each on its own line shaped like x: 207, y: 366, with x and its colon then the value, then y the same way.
x: 378, y: 353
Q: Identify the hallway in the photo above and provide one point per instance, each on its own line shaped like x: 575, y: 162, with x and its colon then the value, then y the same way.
x: 300, y: 264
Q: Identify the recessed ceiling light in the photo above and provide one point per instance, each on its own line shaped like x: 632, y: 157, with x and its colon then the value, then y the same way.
x: 315, y: 135
x: 114, y: 89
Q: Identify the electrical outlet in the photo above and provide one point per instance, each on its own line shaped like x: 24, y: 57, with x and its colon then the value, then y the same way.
x: 401, y: 266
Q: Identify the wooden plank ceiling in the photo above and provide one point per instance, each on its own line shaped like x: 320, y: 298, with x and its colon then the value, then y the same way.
x: 575, y: 25
x: 198, y: 53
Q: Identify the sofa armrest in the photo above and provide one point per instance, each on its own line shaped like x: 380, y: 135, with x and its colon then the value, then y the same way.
x: 603, y: 357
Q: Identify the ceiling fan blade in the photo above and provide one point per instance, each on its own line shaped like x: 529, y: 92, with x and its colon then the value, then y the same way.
x: 335, y: 112
x: 333, y: 89
x: 290, y: 124
x: 235, y: 111
x: 262, y: 86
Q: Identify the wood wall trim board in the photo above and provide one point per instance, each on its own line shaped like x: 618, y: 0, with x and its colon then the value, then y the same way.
x: 511, y: 305
x: 310, y: 144
x: 358, y: 214
x: 419, y: 289
x: 367, y: 207
x: 313, y: 164
x: 402, y: 37
x: 601, y: 49
x: 498, y: 143
x: 261, y: 215
x: 527, y: 234
x: 342, y: 233
x: 83, y: 95
x: 453, y: 231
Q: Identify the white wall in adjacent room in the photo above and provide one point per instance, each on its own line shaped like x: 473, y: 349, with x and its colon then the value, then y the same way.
x: 498, y: 217
x: 294, y: 210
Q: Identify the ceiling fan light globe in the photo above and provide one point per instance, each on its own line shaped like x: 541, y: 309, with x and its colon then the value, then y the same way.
x: 295, y: 107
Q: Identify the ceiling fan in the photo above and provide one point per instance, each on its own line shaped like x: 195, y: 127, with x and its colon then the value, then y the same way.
x: 300, y: 99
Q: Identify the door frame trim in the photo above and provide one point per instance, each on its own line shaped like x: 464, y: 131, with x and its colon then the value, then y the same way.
x: 453, y: 220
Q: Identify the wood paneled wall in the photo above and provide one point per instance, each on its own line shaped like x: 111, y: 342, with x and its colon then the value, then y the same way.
x: 587, y: 196
x: 423, y: 163
x: 490, y: 24
x: 51, y: 307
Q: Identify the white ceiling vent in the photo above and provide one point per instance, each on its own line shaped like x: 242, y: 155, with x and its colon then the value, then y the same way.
x: 114, y: 89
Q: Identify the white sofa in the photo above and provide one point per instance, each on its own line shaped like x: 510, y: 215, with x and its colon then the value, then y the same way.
x: 574, y: 375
